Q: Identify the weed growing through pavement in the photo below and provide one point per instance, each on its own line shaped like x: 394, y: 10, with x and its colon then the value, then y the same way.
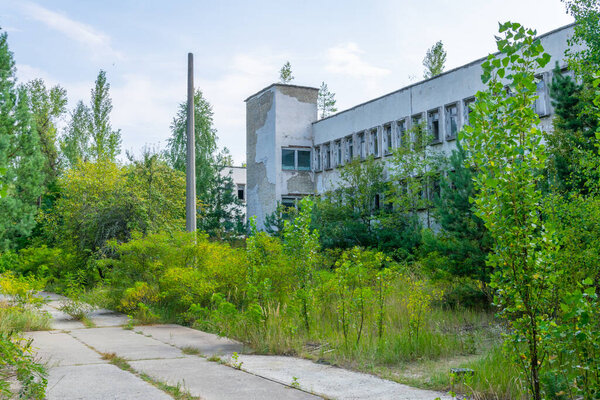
x: 295, y: 383
x: 234, y: 361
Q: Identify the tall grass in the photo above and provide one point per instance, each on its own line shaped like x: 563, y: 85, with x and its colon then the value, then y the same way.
x: 495, y: 377
x: 18, y: 319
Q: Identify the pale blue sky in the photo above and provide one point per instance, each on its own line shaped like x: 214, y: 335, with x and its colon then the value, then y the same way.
x: 362, y: 49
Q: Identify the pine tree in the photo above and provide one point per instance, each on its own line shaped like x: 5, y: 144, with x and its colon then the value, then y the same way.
x: 326, y: 101
x: 463, y: 240
x: 20, y: 156
x: 573, y: 140
x: 285, y: 73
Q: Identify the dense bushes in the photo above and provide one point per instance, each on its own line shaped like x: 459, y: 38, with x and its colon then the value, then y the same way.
x: 20, y: 374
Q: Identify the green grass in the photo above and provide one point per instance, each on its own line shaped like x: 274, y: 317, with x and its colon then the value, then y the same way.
x: 22, y: 319
x: 447, y: 338
x: 177, y: 392
x: 495, y: 377
x: 193, y: 351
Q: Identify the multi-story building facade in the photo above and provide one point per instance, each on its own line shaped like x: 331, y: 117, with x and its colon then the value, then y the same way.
x: 290, y: 153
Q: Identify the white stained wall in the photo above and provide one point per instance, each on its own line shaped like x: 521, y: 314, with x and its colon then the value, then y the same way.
x: 452, y: 87
x: 238, y: 176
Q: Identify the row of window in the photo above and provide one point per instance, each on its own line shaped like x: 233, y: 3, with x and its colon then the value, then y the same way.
x: 380, y: 141
x: 441, y: 124
x: 427, y: 193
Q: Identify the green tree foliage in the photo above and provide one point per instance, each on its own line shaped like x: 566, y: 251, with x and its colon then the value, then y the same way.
x: 102, y: 201
x: 105, y: 143
x: 506, y: 147
x: 416, y: 168
x: 158, y: 188
x: 89, y: 135
x: 434, y: 60
x: 222, y: 214
x: 47, y: 107
x: 302, y: 246
x: 572, y: 143
x: 275, y: 221
x: 585, y: 60
x: 346, y: 216
x: 463, y: 242
x: 219, y: 206
x: 75, y: 142
x: 326, y: 101
x: 285, y: 73
x: 21, y: 156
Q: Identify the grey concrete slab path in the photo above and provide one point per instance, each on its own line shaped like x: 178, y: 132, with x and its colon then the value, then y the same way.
x: 98, y: 382
x: 125, y: 343
x: 211, y: 380
x: 329, y: 381
x: 79, y: 365
x: 207, y: 344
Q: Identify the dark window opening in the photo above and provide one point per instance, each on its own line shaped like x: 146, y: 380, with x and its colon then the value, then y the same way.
x: 288, y: 159
x: 303, y: 160
x: 451, y: 121
x: 434, y: 125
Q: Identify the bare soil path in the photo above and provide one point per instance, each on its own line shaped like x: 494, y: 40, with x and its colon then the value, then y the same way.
x: 172, y: 361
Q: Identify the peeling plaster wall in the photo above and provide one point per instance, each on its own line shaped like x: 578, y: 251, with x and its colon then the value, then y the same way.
x: 277, y: 117
x: 296, y: 111
x: 282, y: 116
x: 260, y: 155
x: 436, y: 93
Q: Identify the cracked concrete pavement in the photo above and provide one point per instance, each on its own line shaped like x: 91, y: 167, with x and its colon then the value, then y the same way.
x: 78, y: 360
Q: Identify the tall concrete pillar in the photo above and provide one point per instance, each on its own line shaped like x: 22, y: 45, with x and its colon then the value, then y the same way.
x: 190, y: 181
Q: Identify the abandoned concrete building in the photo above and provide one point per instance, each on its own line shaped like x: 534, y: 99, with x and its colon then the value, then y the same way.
x: 291, y: 154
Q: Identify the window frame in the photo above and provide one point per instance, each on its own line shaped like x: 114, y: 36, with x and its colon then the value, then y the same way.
x: 435, y: 139
x: 401, y: 133
x: 296, y: 166
x: 447, y: 122
x: 388, y: 135
x: 466, y: 109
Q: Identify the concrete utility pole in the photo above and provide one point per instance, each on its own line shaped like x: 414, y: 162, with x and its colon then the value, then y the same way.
x: 190, y: 181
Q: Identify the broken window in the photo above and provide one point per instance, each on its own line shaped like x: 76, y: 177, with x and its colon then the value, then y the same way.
x: 377, y: 202
x: 327, y: 156
x: 362, y: 145
x: 241, y: 191
x: 288, y: 159
x: 317, y: 158
x: 303, y: 160
x: 451, y: 121
x: 541, y: 103
x: 467, y: 104
x: 433, y: 120
x: 375, y: 143
x: 433, y: 188
x: 400, y: 132
x: 350, y: 147
x: 418, y: 130
x: 387, y: 137
x: 338, y: 153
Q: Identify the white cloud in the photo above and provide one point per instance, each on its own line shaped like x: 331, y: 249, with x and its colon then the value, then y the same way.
x: 244, y: 75
x: 143, y: 109
x: 346, y: 59
x: 75, y: 30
